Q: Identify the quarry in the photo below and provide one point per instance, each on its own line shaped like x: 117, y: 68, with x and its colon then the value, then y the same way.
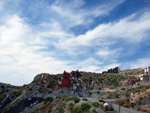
x: 112, y: 91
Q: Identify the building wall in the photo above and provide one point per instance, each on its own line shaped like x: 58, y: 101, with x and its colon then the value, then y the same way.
x: 149, y: 70
x: 145, y: 79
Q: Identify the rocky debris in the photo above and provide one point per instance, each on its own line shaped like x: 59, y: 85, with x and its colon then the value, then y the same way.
x: 144, y: 108
x: 139, y: 95
x: 130, y: 82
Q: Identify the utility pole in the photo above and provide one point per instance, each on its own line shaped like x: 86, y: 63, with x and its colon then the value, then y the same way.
x: 119, y: 108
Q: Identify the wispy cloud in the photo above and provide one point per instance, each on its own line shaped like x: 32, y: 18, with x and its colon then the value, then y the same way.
x: 138, y: 63
x: 129, y: 29
x: 74, y: 13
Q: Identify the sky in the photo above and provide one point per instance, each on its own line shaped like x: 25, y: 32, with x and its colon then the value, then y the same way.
x: 50, y: 36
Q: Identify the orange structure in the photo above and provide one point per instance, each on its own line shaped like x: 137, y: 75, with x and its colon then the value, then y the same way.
x: 66, y: 79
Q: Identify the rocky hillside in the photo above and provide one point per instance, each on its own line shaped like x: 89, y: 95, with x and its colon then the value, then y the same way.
x: 45, y: 93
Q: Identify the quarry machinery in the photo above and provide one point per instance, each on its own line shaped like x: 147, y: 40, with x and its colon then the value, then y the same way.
x: 66, y: 82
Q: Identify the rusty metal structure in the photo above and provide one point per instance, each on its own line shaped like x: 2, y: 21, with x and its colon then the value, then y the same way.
x: 66, y: 79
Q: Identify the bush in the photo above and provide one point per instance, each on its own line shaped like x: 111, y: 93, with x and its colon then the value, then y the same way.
x: 141, y: 98
x: 77, y: 109
x: 123, y: 102
x: 127, y: 93
x: 94, y: 110
x: 48, y: 99
x: 98, y: 92
x: 63, y: 97
x: 85, y: 99
x: 60, y: 110
x: 15, y: 94
x: 75, y: 99
x: 95, y: 104
x: 123, y: 88
x: 2, y: 86
x: 85, y: 106
x: 119, y: 102
x: 101, y: 106
x: 110, y: 112
x: 140, y: 87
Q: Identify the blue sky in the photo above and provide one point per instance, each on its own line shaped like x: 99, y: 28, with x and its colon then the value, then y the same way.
x: 38, y: 36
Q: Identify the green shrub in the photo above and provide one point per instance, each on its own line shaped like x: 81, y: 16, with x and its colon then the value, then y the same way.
x: 141, y: 98
x: 123, y: 102
x: 63, y: 97
x: 15, y: 94
x: 85, y: 106
x: 85, y: 99
x: 86, y: 80
x: 94, y: 110
x: 119, y: 102
x: 123, y: 88
x: 127, y: 93
x: 60, y: 110
x: 110, y: 112
x: 98, y: 92
x: 2, y: 86
x: 77, y: 109
x: 71, y: 109
x: 1, y: 93
x: 95, y: 104
x: 75, y: 99
x: 101, y: 106
x: 140, y: 87
x: 137, y: 90
x: 48, y: 99
x: 138, y: 102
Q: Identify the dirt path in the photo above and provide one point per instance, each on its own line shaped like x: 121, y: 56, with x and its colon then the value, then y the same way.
x: 125, y: 110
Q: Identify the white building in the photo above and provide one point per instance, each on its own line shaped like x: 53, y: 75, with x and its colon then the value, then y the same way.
x: 145, y: 78
x: 147, y: 71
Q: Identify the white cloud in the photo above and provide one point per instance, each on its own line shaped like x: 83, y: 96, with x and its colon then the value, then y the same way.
x: 103, y: 53
x: 139, y: 63
x: 88, y: 65
x: 107, y: 34
x: 20, y: 55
